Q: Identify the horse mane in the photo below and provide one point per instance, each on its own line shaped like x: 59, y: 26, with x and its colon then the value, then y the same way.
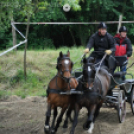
x: 104, y: 70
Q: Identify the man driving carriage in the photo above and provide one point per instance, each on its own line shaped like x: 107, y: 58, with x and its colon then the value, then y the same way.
x: 123, y: 46
x: 103, y: 42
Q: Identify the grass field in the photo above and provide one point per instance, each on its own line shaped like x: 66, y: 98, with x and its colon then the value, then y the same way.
x: 40, y: 69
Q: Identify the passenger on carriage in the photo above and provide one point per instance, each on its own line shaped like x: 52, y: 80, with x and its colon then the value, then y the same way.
x: 123, y: 46
x: 103, y: 42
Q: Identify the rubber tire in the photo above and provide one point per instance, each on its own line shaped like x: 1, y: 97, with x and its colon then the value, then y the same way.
x: 132, y: 100
x: 121, y: 97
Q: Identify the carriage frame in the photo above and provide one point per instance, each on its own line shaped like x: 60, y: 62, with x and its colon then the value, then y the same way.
x: 120, y: 91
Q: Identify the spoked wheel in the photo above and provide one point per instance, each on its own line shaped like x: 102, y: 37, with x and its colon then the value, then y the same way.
x: 121, y: 106
x: 132, y: 100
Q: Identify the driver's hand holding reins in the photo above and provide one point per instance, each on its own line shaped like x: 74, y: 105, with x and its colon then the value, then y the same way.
x: 108, y: 52
x: 86, y: 50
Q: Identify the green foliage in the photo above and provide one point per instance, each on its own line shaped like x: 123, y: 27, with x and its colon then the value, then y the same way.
x: 31, y: 86
x: 39, y: 71
x: 42, y: 36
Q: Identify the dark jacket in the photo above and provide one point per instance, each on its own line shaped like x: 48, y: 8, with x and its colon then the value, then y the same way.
x: 123, y: 46
x: 101, y: 43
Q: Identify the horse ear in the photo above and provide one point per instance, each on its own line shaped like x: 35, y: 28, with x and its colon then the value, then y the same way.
x: 68, y: 53
x: 84, y: 60
x: 61, y: 54
x: 57, y: 67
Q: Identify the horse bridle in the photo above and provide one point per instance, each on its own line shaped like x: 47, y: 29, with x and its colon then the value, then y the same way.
x: 67, y: 70
x: 84, y: 81
x: 66, y: 79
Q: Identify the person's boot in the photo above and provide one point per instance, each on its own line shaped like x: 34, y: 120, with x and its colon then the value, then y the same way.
x: 111, y: 72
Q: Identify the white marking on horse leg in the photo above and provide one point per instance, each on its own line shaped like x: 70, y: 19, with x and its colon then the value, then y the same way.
x: 46, y: 126
x: 53, y: 130
x: 90, y: 130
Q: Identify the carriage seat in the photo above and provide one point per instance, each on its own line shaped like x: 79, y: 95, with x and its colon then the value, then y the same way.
x: 129, y: 80
x: 120, y: 61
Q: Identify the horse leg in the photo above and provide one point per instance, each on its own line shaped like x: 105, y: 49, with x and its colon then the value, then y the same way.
x: 59, y: 120
x: 68, y: 115
x: 53, y: 122
x: 95, y: 116
x: 48, y: 114
x: 97, y: 112
x: 90, y: 123
x: 77, y: 109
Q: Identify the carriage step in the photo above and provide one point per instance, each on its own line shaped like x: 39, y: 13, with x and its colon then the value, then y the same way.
x: 112, y: 99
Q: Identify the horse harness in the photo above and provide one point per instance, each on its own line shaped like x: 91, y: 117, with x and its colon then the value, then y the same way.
x: 67, y: 80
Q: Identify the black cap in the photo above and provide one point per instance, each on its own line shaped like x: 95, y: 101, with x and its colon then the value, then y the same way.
x: 102, y: 25
x: 123, y: 29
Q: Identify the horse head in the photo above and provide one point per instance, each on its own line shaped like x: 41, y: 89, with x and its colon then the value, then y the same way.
x: 64, y: 64
x: 88, y: 72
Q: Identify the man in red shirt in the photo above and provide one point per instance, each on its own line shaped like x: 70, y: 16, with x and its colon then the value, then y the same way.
x: 123, y: 45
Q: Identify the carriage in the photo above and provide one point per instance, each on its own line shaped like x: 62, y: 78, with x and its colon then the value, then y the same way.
x: 120, y: 91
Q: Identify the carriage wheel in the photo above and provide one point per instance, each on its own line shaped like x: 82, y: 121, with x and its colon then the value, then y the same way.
x: 132, y: 100
x: 121, y: 106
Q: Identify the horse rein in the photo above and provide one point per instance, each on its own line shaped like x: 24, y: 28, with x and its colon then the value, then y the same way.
x: 85, y: 82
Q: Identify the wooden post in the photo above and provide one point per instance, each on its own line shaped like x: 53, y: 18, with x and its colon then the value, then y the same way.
x: 14, y: 36
x: 120, y: 22
x: 27, y: 32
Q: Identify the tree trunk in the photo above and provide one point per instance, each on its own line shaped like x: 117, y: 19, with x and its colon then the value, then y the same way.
x: 62, y: 39
x: 14, y: 36
x: 119, y: 25
x: 27, y: 32
x: 80, y: 35
x: 72, y: 35
x: 121, y: 16
x: 83, y: 34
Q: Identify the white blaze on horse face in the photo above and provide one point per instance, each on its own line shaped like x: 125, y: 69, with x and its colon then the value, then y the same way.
x: 90, y: 130
x: 89, y: 68
x: 66, y: 62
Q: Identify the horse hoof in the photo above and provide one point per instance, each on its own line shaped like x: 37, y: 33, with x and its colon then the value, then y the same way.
x: 46, y: 130
x: 90, y: 130
x: 85, y: 126
x: 71, y: 132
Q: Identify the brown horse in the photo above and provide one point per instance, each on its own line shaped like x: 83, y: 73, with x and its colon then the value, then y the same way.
x: 62, y: 82
x: 94, y: 84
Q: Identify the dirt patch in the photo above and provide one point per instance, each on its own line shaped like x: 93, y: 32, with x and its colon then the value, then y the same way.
x: 27, y: 116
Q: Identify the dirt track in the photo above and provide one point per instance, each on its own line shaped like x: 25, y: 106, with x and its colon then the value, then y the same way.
x: 27, y: 116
